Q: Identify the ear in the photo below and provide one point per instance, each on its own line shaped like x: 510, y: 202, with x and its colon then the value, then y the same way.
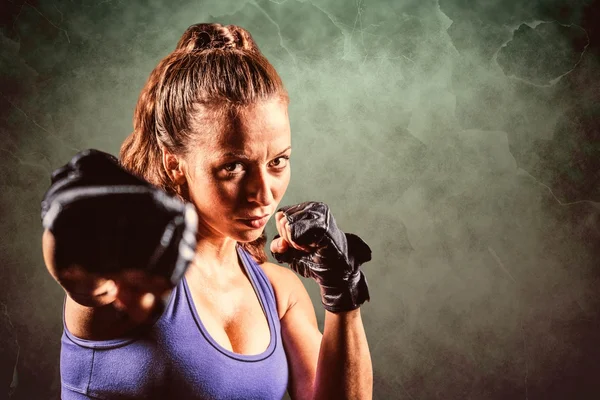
x: 174, y: 167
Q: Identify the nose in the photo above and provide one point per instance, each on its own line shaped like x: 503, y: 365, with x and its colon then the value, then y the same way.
x: 259, y: 187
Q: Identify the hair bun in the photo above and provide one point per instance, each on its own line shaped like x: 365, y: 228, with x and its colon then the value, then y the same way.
x: 204, y: 36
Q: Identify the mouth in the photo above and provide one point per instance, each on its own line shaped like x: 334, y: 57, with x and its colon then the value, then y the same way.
x: 256, y: 222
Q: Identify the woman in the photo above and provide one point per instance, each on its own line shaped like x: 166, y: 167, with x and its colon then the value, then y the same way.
x: 211, y: 127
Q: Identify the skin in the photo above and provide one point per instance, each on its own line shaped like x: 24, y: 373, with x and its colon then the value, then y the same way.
x: 241, y: 170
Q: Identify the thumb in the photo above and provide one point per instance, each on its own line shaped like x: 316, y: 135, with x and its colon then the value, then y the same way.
x: 279, y: 245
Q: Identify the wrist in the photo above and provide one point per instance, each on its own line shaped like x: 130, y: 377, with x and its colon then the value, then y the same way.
x: 344, y: 317
x: 345, y: 295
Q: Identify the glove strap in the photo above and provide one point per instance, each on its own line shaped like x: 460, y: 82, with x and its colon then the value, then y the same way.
x: 347, y: 296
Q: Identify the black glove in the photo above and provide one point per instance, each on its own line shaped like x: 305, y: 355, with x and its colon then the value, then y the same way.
x: 335, y: 257
x: 106, y: 220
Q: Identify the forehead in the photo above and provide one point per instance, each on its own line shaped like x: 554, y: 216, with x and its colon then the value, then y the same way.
x: 259, y: 127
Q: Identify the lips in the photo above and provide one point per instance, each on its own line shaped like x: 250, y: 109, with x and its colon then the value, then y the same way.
x: 255, y: 222
x: 255, y: 218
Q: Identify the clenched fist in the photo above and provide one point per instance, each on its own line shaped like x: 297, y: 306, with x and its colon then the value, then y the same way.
x: 313, y: 246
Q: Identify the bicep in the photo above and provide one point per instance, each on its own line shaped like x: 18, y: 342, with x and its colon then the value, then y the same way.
x: 302, y: 341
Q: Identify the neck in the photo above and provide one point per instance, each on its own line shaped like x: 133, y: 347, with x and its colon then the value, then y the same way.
x: 219, y: 255
x: 216, y: 257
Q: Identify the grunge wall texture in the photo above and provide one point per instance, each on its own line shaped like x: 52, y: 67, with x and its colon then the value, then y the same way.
x: 460, y: 138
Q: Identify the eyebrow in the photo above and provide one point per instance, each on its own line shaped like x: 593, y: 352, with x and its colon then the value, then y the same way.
x: 245, y: 157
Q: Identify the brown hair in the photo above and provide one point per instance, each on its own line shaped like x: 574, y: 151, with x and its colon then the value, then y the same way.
x: 213, y: 70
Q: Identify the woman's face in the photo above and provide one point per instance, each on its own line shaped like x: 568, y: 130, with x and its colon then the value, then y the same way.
x: 238, y: 174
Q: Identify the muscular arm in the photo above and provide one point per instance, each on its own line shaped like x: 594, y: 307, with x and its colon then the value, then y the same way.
x: 332, y: 365
x: 344, y: 369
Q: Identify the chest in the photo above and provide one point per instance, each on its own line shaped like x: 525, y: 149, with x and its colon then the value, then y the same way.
x: 234, y: 317
x: 236, y: 350
x: 205, y: 345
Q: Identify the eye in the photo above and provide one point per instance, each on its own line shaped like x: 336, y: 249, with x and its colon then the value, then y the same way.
x: 233, y: 168
x: 280, y: 162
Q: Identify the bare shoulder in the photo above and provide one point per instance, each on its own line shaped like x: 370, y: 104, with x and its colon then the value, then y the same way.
x: 278, y: 273
x: 95, y: 323
x: 286, y: 285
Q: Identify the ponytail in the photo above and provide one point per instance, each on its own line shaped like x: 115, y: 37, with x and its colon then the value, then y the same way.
x: 141, y: 153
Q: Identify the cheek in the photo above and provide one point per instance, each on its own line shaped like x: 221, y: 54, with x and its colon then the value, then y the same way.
x: 210, y: 194
x: 220, y: 195
x: 225, y: 194
x: 280, y: 186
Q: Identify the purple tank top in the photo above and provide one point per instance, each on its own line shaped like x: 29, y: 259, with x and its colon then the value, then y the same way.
x: 177, y: 358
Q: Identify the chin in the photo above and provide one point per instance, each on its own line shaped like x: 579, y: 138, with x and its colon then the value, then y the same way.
x: 248, y: 236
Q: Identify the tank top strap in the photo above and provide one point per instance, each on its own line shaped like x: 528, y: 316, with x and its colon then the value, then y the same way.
x: 259, y: 277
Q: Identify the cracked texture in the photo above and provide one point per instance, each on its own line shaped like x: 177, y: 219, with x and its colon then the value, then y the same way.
x: 544, y: 53
x: 459, y: 138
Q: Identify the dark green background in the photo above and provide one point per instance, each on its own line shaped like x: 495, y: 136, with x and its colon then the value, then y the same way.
x: 461, y: 139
